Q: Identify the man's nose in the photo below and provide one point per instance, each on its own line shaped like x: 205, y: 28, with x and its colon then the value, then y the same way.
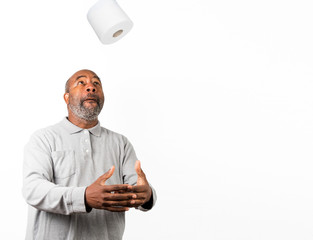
x: 90, y: 88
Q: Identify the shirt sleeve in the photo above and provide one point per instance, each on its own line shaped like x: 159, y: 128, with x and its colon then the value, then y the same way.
x: 129, y: 173
x: 39, y: 189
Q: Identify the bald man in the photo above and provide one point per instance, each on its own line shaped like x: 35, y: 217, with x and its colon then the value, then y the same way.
x: 78, y: 177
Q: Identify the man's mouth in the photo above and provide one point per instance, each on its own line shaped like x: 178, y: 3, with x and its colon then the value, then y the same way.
x: 91, y: 98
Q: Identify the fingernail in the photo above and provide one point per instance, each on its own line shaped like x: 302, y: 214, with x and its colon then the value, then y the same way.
x: 127, y: 209
x: 132, y: 202
x: 134, y: 196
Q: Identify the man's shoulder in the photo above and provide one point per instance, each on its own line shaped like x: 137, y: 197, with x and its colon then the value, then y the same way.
x: 42, y: 138
x: 109, y: 132
x: 47, y: 131
x: 112, y: 134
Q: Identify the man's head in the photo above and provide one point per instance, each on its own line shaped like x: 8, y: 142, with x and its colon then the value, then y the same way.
x: 83, y: 95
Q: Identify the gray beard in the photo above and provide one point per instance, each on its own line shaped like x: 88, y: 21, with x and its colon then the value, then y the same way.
x: 88, y: 114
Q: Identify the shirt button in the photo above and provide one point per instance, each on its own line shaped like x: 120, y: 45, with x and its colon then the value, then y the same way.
x: 85, y: 131
x: 86, y: 140
x: 87, y: 150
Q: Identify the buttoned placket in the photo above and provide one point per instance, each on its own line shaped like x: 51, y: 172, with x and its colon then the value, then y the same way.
x: 86, y: 145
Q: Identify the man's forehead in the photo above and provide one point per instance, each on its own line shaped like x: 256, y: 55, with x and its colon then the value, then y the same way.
x: 80, y: 74
x: 83, y: 73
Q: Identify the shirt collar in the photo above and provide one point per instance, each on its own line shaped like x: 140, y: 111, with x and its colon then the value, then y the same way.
x: 72, y: 128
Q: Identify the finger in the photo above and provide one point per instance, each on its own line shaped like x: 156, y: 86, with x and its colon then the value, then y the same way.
x: 116, y: 188
x: 140, y: 196
x: 123, y: 203
x: 119, y: 197
x: 141, y: 180
x: 121, y: 191
x: 140, y: 188
x: 137, y: 202
x: 106, y: 176
x: 116, y: 209
x: 138, y: 169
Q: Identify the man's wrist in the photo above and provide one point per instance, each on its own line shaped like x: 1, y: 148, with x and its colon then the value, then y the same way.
x: 88, y: 208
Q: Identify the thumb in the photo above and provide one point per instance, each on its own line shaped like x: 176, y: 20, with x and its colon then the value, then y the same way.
x: 141, y: 175
x: 106, y: 176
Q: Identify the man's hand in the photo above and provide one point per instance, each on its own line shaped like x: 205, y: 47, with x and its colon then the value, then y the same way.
x: 114, y: 198
x: 142, y: 189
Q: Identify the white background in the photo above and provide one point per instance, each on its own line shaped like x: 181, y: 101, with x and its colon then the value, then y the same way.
x: 215, y: 96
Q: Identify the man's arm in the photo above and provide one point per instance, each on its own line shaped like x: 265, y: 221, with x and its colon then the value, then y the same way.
x: 38, y: 188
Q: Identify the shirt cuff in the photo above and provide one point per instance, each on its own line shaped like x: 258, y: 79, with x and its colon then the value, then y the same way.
x: 78, y: 200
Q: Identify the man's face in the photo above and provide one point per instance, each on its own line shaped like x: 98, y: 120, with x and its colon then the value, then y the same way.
x: 85, y: 97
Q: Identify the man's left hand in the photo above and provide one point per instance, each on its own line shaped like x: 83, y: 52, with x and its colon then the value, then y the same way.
x: 142, y: 189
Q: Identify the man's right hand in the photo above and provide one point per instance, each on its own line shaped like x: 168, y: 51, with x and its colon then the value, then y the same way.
x: 114, y: 198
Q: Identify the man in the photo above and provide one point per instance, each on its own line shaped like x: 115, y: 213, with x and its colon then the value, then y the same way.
x: 61, y: 166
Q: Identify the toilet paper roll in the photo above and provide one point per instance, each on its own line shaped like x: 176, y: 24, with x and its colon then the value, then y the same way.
x: 109, y: 21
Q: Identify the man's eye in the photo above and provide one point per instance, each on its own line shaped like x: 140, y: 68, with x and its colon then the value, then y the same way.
x: 80, y: 82
x: 96, y: 83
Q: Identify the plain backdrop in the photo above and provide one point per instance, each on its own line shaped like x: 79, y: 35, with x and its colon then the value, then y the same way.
x: 215, y: 96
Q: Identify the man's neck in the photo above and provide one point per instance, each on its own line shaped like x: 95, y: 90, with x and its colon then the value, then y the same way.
x: 82, y: 123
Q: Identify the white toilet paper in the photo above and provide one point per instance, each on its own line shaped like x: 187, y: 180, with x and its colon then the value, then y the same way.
x: 109, y: 21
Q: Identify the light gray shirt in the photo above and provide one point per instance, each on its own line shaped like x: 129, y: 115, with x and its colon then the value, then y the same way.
x: 59, y: 163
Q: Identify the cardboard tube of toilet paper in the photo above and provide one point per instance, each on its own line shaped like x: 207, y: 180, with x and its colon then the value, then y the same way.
x: 109, y: 21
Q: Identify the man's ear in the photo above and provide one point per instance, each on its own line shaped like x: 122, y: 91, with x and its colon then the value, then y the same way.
x: 66, y: 97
